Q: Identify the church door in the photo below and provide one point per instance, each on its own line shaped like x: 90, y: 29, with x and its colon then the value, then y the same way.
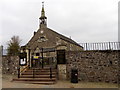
x: 61, y: 57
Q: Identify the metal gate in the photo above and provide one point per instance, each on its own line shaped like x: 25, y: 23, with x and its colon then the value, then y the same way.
x: 46, y: 59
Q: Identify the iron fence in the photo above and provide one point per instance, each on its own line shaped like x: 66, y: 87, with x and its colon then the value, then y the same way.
x: 101, y: 46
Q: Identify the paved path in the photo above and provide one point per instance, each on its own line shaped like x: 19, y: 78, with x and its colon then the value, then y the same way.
x: 6, y: 83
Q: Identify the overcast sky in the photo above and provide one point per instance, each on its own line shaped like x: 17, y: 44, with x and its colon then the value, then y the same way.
x: 83, y: 20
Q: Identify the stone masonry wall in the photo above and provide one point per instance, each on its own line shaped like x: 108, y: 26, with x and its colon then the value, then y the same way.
x: 62, y: 72
x: 94, y: 65
x: 10, y: 64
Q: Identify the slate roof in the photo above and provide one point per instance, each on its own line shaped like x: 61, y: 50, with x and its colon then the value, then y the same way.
x: 64, y: 37
x: 58, y: 35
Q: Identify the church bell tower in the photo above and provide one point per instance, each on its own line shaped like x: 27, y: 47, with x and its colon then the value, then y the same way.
x: 43, y: 18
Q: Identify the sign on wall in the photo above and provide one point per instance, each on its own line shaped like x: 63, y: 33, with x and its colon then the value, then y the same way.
x: 36, y: 57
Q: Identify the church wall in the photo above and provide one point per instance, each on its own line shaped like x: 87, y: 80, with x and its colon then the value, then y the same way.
x: 93, y: 65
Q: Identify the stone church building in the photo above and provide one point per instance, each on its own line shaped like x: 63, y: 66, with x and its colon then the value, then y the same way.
x: 47, y: 47
x: 52, y: 44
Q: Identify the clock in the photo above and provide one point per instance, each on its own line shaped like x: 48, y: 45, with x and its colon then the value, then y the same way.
x: 41, y: 31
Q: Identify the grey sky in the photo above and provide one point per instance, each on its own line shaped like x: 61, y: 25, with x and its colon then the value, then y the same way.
x: 83, y: 20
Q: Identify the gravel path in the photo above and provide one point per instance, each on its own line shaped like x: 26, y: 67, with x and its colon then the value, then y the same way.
x: 7, y: 83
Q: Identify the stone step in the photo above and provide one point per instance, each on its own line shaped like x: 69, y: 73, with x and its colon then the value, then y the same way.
x: 37, y: 76
x: 41, y: 76
x: 42, y: 70
x: 46, y: 83
x: 37, y: 73
x: 45, y: 68
x: 34, y: 79
x: 38, y: 82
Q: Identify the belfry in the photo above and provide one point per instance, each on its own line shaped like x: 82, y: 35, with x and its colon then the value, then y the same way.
x: 43, y: 17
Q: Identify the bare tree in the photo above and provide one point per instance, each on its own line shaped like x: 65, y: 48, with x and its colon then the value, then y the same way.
x: 14, y: 45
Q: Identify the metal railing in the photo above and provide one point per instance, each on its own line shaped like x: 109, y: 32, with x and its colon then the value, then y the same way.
x: 33, y: 73
x: 101, y: 46
x: 20, y: 72
x: 50, y: 73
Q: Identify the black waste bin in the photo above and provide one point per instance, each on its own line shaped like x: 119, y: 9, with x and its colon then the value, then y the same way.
x: 74, y: 76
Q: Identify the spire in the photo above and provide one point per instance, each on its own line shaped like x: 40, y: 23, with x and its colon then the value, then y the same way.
x: 43, y: 17
x: 42, y: 12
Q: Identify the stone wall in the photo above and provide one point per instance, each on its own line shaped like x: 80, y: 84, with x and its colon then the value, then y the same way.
x: 94, y: 65
x: 62, y: 72
x: 10, y: 64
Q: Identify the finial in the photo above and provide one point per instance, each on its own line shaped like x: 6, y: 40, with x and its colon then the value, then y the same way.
x: 42, y: 4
